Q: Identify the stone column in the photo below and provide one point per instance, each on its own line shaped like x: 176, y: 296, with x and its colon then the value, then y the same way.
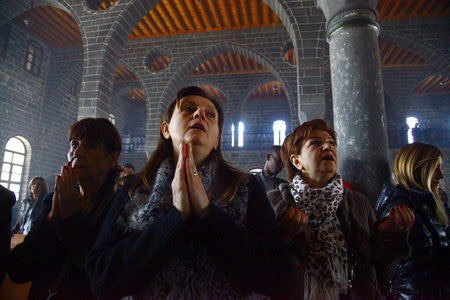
x: 358, y: 103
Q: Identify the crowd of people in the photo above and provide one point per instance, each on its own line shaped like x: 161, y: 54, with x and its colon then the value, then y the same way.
x: 190, y: 225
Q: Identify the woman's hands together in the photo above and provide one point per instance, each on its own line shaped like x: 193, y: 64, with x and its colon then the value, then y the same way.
x: 67, y: 198
x: 400, y: 219
x: 294, y: 221
x: 189, y: 195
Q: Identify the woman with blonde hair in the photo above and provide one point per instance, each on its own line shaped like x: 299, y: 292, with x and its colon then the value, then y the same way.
x: 425, y: 273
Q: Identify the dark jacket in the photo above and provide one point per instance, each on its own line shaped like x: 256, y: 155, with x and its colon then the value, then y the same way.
x: 425, y: 274
x: 122, y: 263
x: 7, y: 200
x: 366, y: 246
x: 52, y: 256
x: 28, y: 212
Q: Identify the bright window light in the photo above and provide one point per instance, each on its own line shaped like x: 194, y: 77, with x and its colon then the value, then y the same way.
x: 232, y: 134
x: 279, y: 132
x: 13, y: 164
x: 412, y: 122
x: 241, y: 134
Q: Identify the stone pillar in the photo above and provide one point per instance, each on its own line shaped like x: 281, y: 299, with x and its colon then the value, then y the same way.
x: 358, y: 103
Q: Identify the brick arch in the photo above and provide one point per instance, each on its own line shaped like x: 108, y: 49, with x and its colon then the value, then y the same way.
x: 284, y: 10
x: 254, y: 86
x: 258, y: 83
x: 18, y: 7
x: 208, y: 53
x: 124, y: 88
x: 431, y: 55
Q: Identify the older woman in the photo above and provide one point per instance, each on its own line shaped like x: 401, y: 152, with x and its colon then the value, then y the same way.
x: 343, y: 241
x: 194, y: 227
x: 425, y: 274
x: 52, y: 255
x: 29, y: 208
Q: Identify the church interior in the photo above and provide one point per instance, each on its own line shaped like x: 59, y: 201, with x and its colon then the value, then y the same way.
x: 378, y: 71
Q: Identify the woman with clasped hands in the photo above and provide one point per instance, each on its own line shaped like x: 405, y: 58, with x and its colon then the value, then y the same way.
x: 53, y: 253
x: 194, y: 226
x: 334, y: 229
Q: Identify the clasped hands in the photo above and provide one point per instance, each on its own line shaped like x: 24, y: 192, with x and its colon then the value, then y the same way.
x: 188, y: 193
x: 67, y: 199
x: 400, y: 219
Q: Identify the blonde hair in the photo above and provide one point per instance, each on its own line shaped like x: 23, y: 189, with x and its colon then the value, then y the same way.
x: 414, y: 167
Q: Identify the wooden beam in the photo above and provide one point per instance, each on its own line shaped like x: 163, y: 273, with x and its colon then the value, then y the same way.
x: 266, y: 12
x: 245, y: 13
x: 387, y: 56
x: 61, y: 25
x: 205, y: 15
x: 193, y: 13
x: 234, y: 12
x: 151, y: 24
x: 213, y: 9
x: 45, y: 30
x: 160, y: 11
x: 176, y: 18
x: 225, y: 14
x: 184, y: 16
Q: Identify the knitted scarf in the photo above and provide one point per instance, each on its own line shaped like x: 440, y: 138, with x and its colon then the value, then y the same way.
x: 193, y: 273
x: 326, y: 253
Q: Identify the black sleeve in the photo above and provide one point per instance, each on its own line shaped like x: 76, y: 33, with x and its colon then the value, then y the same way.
x: 40, y: 253
x: 121, y: 264
x: 7, y: 200
x: 253, y: 256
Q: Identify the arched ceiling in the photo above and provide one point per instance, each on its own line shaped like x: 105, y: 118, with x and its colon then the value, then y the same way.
x: 228, y: 64
x: 403, y: 9
x: 137, y: 95
x: 122, y: 74
x: 433, y: 85
x: 171, y: 17
x: 214, y: 92
x: 272, y: 90
x: 52, y: 25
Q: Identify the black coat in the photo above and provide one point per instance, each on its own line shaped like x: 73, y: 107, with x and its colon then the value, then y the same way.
x: 425, y: 274
x: 7, y: 200
x: 122, y: 264
x: 53, y: 254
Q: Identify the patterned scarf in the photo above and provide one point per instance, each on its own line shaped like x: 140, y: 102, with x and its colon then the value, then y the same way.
x: 193, y: 273
x: 326, y: 253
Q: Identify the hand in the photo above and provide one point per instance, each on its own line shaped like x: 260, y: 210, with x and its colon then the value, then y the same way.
x: 400, y: 219
x: 293, y: 221
x: 180, y: 194
x: 68, y: 197
x: 197, y: 194
x: 54, y: 212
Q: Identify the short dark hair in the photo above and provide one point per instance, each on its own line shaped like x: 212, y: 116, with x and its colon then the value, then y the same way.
x: 128, y: 165
x: 294, y: 142
x: 99, y: 131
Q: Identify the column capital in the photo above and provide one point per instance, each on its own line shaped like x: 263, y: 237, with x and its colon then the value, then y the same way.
x: 340, y: 14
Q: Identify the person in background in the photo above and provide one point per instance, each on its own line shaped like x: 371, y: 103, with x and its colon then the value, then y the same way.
x: 7, y: 200
x: 334, y: 230
x: 425, y: 273
x: 53, y: 253
x: 29, y: 208
x: 127, y: 170
x: 268, y: 177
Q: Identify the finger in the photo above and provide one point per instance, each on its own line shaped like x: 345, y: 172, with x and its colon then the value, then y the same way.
x: 397, y: 217
x: 411, y: 214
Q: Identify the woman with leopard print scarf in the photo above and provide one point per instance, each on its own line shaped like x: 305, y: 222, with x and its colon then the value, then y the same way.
x: 339, y: 238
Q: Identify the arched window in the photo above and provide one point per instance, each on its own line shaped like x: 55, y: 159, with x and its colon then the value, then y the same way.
x: 412, y: 123
x: 279, y: 132
x: 241, y: 134
x: 232, y: 134
x: 112, y: 119
x: 13, y: 165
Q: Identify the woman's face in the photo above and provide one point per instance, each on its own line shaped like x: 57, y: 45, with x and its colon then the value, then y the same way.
x: 36, y: 189
x: 318, y: 156
x: 195, y: 120
x: 438, y: 175
x: 90, y: 158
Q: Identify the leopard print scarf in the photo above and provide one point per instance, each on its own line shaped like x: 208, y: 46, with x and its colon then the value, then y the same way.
x: 326, y: 253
